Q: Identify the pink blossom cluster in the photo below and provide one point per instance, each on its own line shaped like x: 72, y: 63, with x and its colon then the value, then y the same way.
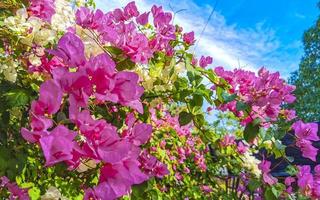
x: 192, y: 147
x: 230, y: 140
x: 264, y: 93
x: 15, y: 191
x: 264, y: 166
x: 243, y: 187
x: 305, y: 134
x: 44, y: 9
x: 78, y: 83
x: 120, y: 27
x: 308, y: 182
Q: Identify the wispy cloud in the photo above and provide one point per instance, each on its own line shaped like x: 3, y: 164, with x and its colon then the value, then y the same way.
x: 231, y: 46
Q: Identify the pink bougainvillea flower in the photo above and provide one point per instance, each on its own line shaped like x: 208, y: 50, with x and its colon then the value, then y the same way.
x: 70, y: 49
x: 15, y: 191
x: 39, y: 122
x: 307, y: 131
x: 242, y: 148
x: 206, y: 188
x: 84, y: 17
x: 188, y: 38
x: 308, y: 151
x: 288, y: 182
x: 103, y: 62
x: 264, y: 93
x: 305, y: 178
x: 128, y: 90
x: 140, y: 134
x: 137, y: 48
x: 120, y: 177
x: 151, y: 166
x: 289, y: 114
x: 58, y: 145
x: 32, y: 136
x: 143, y: 18
x: 130, y: 10
x: 227, y: 140
x: 205, y: 61
x: 44, y: 9
x: 264, y: 166
x: 113, y: 150
x: 50, y: 98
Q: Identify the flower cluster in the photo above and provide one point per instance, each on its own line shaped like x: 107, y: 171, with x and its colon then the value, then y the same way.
x: 116, y: 99
x: 306, y: 133
x: 264, y: 93
x: 189, y: 146
x: 79, y: 82
x: 120, y: 28
x: 15, y: 191
x: 308, y: 182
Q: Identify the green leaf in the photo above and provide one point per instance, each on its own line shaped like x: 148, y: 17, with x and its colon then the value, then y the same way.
x: 138, y: 191
x: 254, y: 184
x: 291, y: 170
x: 114, y: 50
x: 184, y: 118
x: 197, y: 100
x: 16, y: 98
x: 251, y: 131
x: 181, y: 83
x: 126, y: 64
x: 269, y: 195
x: 241, y: 106
x: 199, y: 119
x: 228, y: 97
x: 155, y: 69
x: 277, y: 189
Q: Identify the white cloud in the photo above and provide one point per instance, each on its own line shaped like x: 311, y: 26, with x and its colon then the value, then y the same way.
x: 231, y: 46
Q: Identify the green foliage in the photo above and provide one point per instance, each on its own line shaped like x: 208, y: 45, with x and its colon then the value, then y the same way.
x: 306, y: 78
x: 251, y: 131
x: 185, y: 118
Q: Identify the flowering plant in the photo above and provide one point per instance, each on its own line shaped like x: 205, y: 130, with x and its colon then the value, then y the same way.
x: 107, y: 105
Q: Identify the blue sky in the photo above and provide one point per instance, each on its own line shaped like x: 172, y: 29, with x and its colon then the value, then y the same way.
x: 242, y: 33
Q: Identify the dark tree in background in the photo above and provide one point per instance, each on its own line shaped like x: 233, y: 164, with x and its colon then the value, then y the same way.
x: 307, y: 77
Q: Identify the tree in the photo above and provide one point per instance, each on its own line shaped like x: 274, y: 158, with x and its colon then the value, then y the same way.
x: 307, y: 77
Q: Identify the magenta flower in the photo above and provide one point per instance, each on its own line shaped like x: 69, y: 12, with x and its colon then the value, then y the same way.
x: 128, y: 90
x: 264, y: 93
x: 50, y: 98
x: 58, y: 145
x: 206, y: 188
x: 308, y: 151
x: 137, y: 48
x: 151, y: 166
x: 205, y: 61
x: 44, y: 9
x: 39, y: 122
x: 15, y: 191
x: 140, y: 134
x: 242, y: 148
x: 307, y: 131
x: 130, y: 10
x: 227, y: 140
x: 305, y: 178
x: 288, y: 182
x: 33, y: 136
x: 84, y: 17
x: 189, y: 38
x: 119, y: 178
x: 71, y: 50
x: 101, y: 191
x: 143, y: 18
x: 264, y: 166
